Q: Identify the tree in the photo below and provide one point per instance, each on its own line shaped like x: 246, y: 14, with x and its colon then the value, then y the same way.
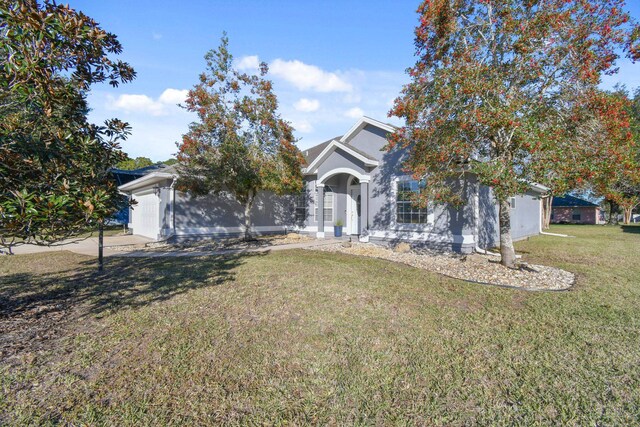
x: 616, y: 176
x: 240, y: 144
x: 53, y: 162
x: 499, y: 84
x: 137, y: 163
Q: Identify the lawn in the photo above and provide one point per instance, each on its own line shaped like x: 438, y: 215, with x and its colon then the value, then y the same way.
x: 304, y: 337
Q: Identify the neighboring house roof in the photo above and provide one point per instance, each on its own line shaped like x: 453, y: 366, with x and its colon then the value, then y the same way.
x: 568, y: 201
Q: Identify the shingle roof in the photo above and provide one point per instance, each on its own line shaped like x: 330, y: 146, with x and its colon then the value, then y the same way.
x: 310, y: 154
x: 568, y: 201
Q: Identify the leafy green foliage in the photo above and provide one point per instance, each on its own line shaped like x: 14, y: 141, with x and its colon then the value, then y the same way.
x: 240, y: 144
x: 137, y: 163
x: 53, y: 162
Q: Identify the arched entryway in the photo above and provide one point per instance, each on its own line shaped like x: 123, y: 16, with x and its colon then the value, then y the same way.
x: 353, y: 198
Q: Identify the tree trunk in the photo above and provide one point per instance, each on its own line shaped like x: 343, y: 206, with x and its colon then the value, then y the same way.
x: 507, y: 252
x: 613, y: 212
x: 627, y: 215
x: 546, y: 211
x: 100, y: 246
x: 247, y: 215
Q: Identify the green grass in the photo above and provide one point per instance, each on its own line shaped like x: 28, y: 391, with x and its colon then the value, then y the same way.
x: 304, y: 337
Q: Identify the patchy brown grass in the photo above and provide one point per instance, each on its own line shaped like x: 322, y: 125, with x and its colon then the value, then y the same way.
x: 307, y: 337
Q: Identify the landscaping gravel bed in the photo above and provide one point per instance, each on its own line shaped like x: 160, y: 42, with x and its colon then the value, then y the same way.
x: 477, y: 268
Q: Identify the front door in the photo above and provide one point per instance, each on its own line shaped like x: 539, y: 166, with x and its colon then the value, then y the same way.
x: 354, y: 210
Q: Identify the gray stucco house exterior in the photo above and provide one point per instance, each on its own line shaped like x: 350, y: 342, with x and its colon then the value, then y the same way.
x: 351, y: 178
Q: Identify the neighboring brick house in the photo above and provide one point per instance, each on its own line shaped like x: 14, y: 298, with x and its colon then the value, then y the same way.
x: 569, y: 209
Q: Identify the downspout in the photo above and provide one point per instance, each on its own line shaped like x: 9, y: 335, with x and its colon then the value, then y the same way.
x: 172, y: 196
x: 476, y: 202
x: 172, y: 207
x: 542, y: 219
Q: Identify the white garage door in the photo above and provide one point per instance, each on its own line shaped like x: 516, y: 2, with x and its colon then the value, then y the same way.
x: 146, y: 215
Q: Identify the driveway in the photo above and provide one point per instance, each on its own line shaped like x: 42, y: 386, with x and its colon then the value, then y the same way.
x: 87, y: 246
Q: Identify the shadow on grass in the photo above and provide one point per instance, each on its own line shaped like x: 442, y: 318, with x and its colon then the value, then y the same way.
x: 126, y: 283
x: 631, y: 228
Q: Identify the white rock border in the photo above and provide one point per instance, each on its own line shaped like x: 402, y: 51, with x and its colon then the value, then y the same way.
x: 474, y: 268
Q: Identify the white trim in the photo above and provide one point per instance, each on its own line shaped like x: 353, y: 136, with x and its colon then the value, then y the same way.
x: 315, y: 204
x: 349, y: 201
x: 423, y: 236
x: 539, y: 188
x: 142, y: 181
x: 307, y: 229
x: 406, y: 226
x: 312, y: 168
x: 227, y: 230
x: 362, y: 123
x: 332, y: 172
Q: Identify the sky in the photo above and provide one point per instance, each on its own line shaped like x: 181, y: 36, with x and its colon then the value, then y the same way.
x: 331, y: 62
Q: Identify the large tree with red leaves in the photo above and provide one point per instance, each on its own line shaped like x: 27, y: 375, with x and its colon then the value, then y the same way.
x: 240, y: 144
x: 499, y: 84
x: 616, y: 160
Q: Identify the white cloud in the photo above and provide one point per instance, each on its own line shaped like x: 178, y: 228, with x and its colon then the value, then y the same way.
x: 307, y: 105
x: 156, y: 36
x: 308, y: 77
x: 173, y: 96
x: 302, y: 126
x: 354, y: 113
x: 145, y: 104
x: 248, y: 63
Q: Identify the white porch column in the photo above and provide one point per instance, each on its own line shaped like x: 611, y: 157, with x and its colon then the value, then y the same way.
x: 364, y: 211
x: 320, y: 216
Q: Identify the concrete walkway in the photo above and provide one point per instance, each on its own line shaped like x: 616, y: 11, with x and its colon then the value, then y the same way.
x: 87, y: 246
x: 178, y: 253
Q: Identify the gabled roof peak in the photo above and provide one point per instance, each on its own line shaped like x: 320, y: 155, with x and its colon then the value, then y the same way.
x: 364, y: 121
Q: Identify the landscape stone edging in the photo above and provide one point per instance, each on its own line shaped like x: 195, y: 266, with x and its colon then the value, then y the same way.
x: 560, y: 281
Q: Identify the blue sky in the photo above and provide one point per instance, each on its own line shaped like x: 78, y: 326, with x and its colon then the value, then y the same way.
x: 331, y: 61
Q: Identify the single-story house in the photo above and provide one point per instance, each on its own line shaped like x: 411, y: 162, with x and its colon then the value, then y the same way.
x: 123, y: 176
x: 573, y: 210
x: 351, y: 178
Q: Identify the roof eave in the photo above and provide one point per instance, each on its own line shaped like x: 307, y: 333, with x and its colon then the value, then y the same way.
x: 362, y: 123
x: 145, y: 181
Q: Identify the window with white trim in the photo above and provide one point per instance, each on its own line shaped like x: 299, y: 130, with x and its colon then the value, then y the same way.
x: 512, y: 202
x: 328, y: 205
x: 407, y: 211
x: 300, y: 206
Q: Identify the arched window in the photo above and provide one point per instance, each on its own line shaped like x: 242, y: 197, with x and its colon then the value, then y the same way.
x: 328, y: 205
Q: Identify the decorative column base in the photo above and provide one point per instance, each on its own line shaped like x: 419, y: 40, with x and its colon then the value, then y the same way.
x: 320, y: 234
x: 363, y: 239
